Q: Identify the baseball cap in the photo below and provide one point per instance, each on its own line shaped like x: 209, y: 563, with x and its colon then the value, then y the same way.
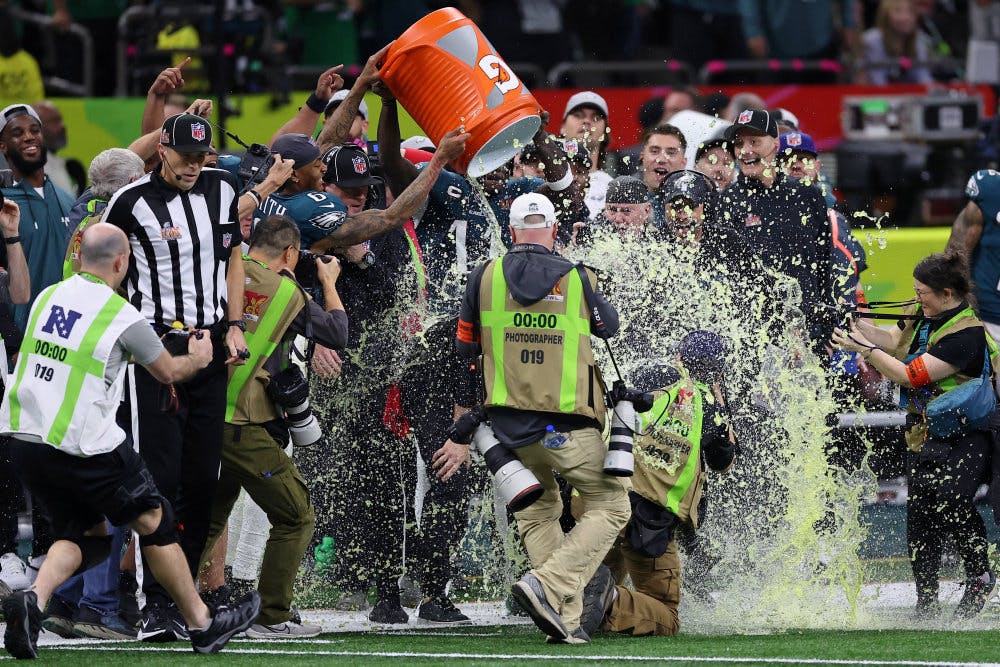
x: 692, y: 186
x: 340, y: 96
x: 11, y: 112
x: 186, y: 133
x: 784, y: 116
x: 532, y: 203
x: 755, y: 121
x: 298, y: 147
x: 626, y: 190
x: 587, y: 98
x: 348, y: 166
x: 703, y: 353
x: 796, y: 142
x: 716, y: 138
x: 420, y: 142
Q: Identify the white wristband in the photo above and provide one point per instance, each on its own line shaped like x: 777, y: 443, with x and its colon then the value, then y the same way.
x: 562, y: 183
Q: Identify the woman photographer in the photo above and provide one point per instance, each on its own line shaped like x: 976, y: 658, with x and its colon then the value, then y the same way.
x: 929, y: 357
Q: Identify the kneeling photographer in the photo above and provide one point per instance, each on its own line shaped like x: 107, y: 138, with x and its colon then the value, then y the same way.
x: 268, y: 398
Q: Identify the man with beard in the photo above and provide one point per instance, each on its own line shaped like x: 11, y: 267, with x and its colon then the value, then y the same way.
x: 44, y: 207
x: 67, y: 174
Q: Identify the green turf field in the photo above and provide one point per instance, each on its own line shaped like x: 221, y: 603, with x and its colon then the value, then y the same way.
x: 506, y: 645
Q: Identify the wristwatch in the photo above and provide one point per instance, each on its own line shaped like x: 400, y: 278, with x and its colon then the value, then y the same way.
x: 239, y: 324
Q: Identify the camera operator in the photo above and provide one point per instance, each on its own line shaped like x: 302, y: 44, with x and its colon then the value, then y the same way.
x: 275, y: 310
x: 546, y: 402
x: 685, y: 431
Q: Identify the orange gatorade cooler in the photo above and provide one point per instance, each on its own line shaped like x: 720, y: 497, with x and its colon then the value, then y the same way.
x: 445, y: 74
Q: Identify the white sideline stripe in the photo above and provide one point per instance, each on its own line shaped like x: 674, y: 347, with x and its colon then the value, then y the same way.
x: 581, y: 658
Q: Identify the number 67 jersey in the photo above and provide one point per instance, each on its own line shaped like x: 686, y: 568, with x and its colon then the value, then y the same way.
x: 60, y: 392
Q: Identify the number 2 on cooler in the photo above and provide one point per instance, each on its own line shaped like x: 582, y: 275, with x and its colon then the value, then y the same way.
x: 497, y: 70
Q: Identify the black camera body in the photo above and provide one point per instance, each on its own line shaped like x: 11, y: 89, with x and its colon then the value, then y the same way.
x: 255, y: 164
x: 290, y: 391
x: 306, y: 272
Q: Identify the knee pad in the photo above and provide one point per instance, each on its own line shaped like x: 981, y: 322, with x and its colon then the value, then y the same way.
x: 93, y: 549
x: 166, y: 533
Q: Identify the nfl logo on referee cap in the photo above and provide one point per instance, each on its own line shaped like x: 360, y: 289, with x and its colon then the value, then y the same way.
x: 745, y: 117
x: 360, y: 165
x: 198, y: 131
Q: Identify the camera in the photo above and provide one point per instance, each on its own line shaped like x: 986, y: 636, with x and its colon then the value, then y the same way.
x: 175, y: 341
x: 290, y: 391
x: 517, y: 486
x: 254, y: 165
x: 306, y: 272
x: 627, y: 403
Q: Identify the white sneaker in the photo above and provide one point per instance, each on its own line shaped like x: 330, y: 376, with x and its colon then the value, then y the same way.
x: 14, y: 572
x: 286, y: 630
x: 34, y: 565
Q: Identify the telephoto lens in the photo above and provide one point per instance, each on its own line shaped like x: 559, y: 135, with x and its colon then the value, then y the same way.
x: 516, y: 485
x: 619, y: 461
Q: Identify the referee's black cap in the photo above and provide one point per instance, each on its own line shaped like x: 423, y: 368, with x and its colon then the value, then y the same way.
x: 187, y: 133
x: 347, y: 166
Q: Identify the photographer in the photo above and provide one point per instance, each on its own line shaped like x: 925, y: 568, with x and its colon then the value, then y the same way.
x: 545, y: 400
x: 934, y: 359
x: 685, y: 431
x: 275, y: 310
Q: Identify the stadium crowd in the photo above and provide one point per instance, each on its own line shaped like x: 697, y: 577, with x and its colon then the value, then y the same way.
x: 289, y: 355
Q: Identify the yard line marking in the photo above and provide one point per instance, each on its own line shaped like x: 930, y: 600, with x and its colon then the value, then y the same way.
x: 582, y: 658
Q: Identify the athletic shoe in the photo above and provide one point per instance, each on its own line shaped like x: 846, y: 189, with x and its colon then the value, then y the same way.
x: 162, y: 622
x: 352, y: 601
x: 598, y: 595
x: 59, y: 616
x: 409, y: 592
x: 225, y: 624
x: 24, y: 620
x: 389, y: 612
x: 92, y: 623
x: 578, y: 636
x: 441, y: 610
x: 14, y: 572
x: 286, y: 630
x: 530, y: 594
x: 977, y: 591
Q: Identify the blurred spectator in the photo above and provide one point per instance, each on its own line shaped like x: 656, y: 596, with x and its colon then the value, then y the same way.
x: 895, y: 35
x: 100, y: 18
x: 625, y: 162
x: 533, y: 33
x: 66, y: 174
x: 680, y: 99
x: 741, y: 101
x: 806, y: 30
x: 785, y: 120
x: 715, y: 104
x: 20, y: 77
x: 321, y: 33
x: 586, y: 121
x: 378, y: 22
x: 591, y: 21
x: 703, y: 30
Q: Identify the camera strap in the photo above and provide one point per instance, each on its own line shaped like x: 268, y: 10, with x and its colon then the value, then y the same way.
x: 595, y: 316
x: 888, y: 316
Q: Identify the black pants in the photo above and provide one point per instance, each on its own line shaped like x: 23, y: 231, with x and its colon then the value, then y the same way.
x: 182, y: 449
x: 356, y: 478
x: 429, y: 396
x: 943, y: 480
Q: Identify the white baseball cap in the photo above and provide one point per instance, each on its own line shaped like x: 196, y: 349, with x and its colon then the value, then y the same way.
x: 586, y: 98
x: 341, y: 95
x: 13, y: 111
x: 529, y: 204
x: 419, y: 142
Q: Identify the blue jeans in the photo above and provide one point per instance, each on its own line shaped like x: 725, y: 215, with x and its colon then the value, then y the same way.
x: 98, y: 586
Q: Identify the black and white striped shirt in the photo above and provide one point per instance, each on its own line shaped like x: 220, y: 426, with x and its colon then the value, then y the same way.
x: 181, y: 243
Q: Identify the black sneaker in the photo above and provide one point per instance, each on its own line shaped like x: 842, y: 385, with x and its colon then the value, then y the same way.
x: 441, y: 610
x: 976, y: 592
x: 229, y: 621
x: 90, y: 622
x: 388, y: 611
x: 578, y: 636
x: 162, y: 622
x: 59, y: 616
x: 598, y: 595
x: 24, y: 620
x: 531, y: 595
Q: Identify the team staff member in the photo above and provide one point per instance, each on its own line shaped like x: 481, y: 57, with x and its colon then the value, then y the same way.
x: 782, y: 221
x: 69, y: 450
x: 276, y: 310
x: 183, y: 229
x: 685, y: 431
x: 551, y: 390
x: 936, y: 355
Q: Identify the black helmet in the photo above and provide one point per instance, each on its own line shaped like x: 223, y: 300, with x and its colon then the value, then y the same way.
x: 694, y: 186
x: 703, y: 354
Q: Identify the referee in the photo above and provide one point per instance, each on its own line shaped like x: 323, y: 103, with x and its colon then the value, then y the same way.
x: 182, y: 224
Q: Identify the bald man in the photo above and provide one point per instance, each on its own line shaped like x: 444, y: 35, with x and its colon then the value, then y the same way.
x: 71, y: 454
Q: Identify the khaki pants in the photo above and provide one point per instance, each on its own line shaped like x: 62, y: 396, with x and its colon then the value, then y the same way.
x: 565, y: 563
x: 651, y: 609
x: 257, y: 462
